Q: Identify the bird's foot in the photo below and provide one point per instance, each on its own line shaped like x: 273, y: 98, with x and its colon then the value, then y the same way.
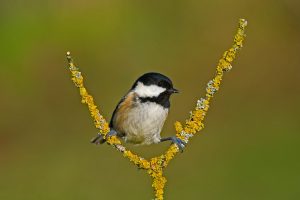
x: 99, y: 139
x: 175, y: 140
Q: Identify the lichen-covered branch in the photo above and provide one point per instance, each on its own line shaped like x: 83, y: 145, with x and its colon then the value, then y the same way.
x: 191, y: 126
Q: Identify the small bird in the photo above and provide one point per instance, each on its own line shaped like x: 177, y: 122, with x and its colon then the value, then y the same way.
x: 140, y: 115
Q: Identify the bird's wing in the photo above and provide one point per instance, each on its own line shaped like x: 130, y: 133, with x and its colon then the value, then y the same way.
x: 111, y: 125
x: 122, y: 107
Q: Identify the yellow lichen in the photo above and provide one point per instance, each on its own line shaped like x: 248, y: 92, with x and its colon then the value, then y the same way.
x: 192, y: 125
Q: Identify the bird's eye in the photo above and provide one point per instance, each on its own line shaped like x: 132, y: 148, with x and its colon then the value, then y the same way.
x: 160, y: 84
x: 163, y: 84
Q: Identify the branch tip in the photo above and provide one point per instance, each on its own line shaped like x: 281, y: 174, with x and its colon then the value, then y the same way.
x: 69, y: 58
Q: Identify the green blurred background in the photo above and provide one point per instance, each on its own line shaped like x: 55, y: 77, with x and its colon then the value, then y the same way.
x: 249, y: 148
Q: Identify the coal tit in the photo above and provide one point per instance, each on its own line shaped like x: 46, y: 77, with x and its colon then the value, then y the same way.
x: 140, y: 115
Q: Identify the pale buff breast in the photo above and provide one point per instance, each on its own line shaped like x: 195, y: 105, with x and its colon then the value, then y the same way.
x: 140, y: 123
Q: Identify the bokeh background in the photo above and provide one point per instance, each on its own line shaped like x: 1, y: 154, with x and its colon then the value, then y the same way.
x: 249, y: 148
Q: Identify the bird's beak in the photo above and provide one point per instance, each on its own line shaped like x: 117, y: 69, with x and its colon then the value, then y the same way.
x: 173, y: 90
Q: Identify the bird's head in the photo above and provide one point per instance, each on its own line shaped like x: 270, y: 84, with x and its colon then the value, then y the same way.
x: 153, y: 85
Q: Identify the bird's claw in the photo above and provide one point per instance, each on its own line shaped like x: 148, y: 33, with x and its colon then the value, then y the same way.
x: 179, y: 143
x: 111, y: 133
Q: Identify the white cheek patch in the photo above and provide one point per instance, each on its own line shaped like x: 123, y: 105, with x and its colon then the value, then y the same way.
x: 148, y: 90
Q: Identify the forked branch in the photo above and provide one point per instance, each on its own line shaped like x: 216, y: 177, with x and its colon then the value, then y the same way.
x: 192, y: 125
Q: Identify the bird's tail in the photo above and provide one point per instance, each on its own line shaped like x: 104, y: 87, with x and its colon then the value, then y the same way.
x: 99, y: 139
